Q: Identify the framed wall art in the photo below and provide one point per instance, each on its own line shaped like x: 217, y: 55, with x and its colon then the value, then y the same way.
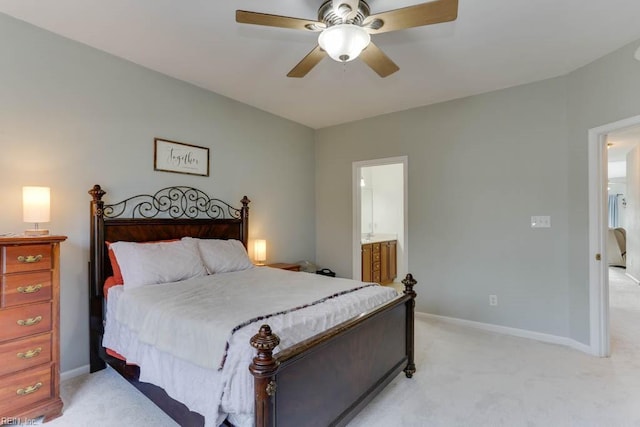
x: 178, y: 157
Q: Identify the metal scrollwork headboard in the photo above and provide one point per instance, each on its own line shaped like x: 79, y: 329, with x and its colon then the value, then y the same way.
x: 173, y: 202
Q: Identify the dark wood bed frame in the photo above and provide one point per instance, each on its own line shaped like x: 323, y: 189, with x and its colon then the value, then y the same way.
x: 324, y: 380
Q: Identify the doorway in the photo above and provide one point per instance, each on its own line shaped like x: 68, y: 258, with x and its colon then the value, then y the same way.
x: 380, y: 200
x: 599, y: 234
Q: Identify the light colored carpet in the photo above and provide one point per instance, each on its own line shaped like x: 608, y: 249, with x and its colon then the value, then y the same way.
x: 471, y: 378
x: 465, y: 377
x: 105, y: 399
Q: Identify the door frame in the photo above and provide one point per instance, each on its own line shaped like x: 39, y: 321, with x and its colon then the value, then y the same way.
x: 357, y: 210
x: 600, y: 337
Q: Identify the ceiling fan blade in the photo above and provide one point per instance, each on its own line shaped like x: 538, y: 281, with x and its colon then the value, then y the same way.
x: 378, y: 61
x: 256, y: 18
x: 413, y: 16
x: 308, y: 62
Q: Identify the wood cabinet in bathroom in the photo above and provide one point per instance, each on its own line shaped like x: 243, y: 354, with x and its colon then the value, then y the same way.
x: 379, y: 261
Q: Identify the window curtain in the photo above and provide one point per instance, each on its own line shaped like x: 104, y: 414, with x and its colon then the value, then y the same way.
x: 613, y: 211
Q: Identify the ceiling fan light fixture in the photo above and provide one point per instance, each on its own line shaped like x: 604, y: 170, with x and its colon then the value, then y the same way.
x: 344, y: 42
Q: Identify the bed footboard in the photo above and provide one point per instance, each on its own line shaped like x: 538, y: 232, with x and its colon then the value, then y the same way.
x: 329, y: 378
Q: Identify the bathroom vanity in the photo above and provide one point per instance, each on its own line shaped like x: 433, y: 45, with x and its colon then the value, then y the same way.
x: 379, y: 259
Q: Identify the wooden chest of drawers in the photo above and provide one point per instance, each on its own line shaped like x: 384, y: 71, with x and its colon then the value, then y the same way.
x: 29, y: 328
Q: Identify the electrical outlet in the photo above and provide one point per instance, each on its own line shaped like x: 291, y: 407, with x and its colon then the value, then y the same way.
x: 493, y: 299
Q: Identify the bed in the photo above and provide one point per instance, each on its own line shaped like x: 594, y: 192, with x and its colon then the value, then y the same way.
x: 325, y: 379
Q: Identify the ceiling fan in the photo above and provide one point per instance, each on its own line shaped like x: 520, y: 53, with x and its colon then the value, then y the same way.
x: 345, y: 27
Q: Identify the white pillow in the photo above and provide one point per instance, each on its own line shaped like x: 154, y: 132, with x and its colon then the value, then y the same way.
x: 223, y: 256
x: 162, y: 262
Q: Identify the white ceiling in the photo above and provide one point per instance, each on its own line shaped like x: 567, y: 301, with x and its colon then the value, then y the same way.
x: 493, y: 44
x: 621, y: 142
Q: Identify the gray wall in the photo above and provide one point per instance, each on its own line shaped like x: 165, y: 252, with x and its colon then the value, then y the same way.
x: 478, y: 169
x: 71, y: 117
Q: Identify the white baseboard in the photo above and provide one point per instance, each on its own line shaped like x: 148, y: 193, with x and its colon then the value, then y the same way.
x: 522, y: 333
x: 72, y: 373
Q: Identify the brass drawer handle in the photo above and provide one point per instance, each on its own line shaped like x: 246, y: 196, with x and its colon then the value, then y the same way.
x: 28, y: 390
x: 30, y: 354
x: 30, y: 321
x: 29, y: 258
x: 31, y: 289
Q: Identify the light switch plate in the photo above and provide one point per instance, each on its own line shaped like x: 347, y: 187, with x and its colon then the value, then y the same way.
x: 541, y: 221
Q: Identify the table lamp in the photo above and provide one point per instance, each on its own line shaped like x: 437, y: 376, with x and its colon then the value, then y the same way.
x: 260, y: 251
x: 35, y: 208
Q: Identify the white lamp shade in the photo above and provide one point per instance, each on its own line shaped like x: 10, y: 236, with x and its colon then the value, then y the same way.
x: 344, y: 42
x: 260, y: 251
x: 35, y: 204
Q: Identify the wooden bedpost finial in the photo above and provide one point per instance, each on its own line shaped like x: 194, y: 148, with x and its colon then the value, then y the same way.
x: 97, y: 192
x: 409, y: 282
x: 245, y: 201
x: 97, y: 205
x: 264, y: 341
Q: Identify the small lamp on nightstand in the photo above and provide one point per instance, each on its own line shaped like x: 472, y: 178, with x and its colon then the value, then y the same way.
x: 35, y: 208
x: 260, y: 251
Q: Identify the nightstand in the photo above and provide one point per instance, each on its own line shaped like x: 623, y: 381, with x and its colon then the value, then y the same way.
x: 285, y: 266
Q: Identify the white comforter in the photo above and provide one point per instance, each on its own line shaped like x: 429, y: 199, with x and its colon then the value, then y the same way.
x: 177, y: 332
